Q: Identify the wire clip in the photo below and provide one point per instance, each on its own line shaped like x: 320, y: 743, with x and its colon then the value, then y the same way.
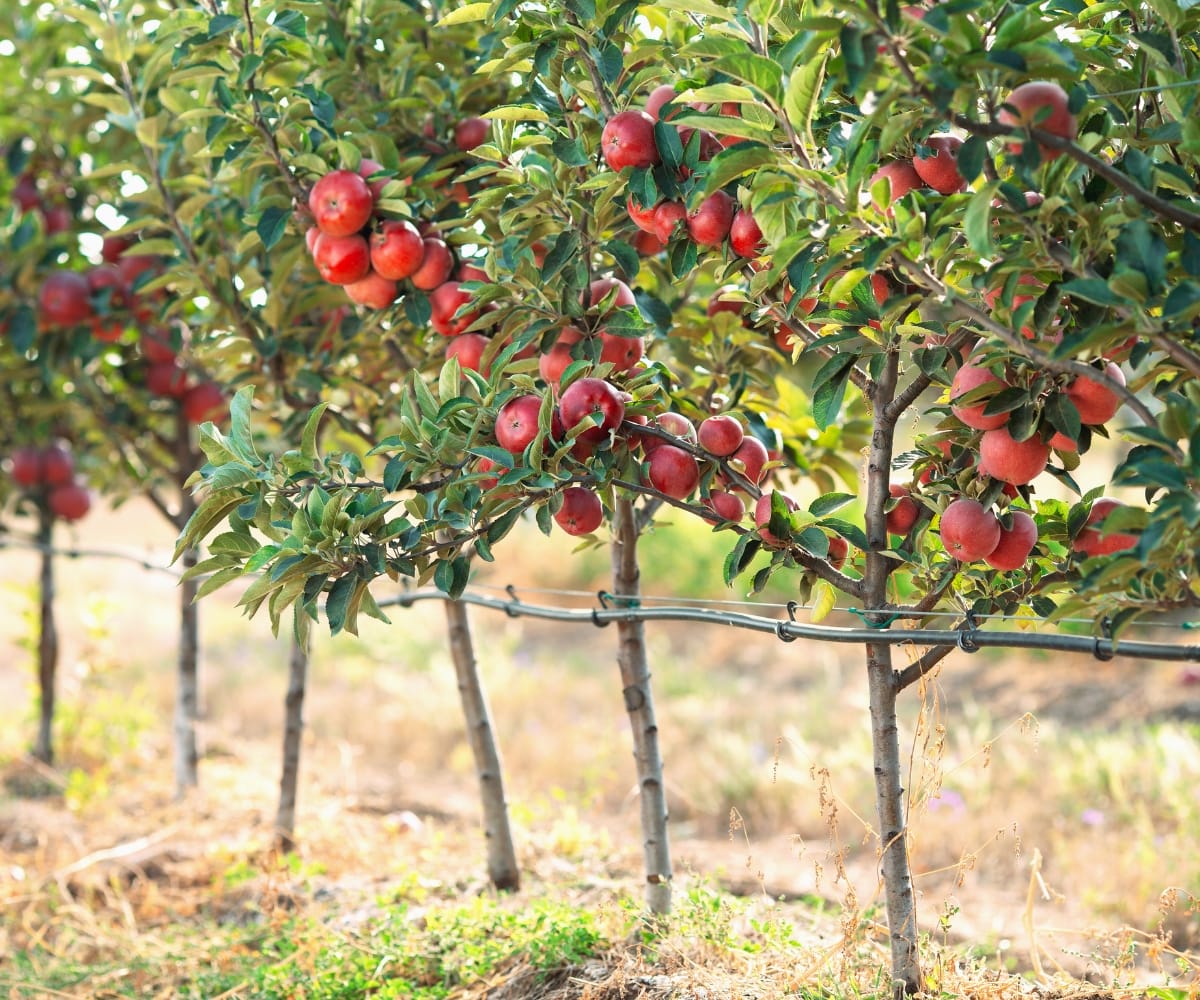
x: 780, y: 629
x: 966, y: 634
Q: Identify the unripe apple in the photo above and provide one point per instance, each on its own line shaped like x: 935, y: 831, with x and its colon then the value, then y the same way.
x: 581, y: 512
x: 720, y: 435
x: 969, y: 532
x: 673, y: 471
x: 628, y: 140
x: 1042, y: 104
x: 341, y: 203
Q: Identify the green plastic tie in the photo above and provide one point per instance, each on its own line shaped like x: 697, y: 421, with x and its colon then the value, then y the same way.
x: 870, y: 624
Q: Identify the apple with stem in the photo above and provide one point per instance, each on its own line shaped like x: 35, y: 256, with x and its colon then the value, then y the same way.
x: 341, y: 203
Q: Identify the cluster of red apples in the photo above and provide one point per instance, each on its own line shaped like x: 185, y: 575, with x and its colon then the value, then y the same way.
x: 49, y: 474
x: 628, y: 140
x: 56, y: 214
x: 105, y: 299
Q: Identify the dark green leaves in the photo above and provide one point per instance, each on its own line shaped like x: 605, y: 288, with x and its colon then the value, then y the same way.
x: 829, y: 388
x: 272, y: 224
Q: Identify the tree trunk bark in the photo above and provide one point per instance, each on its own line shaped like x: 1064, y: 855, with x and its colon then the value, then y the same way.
x: 187, y: 694
x: 293, y: 732
x: 639, y: 703
x: 885, y: 738
x: 501, y: 857
x: 43, y: 748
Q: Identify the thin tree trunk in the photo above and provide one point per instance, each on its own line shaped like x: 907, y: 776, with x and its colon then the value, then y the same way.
x: 293, y: 731
x: 43, y: 748
x: 885, y: 739
x: 501, y: 858
x: 639, y: 703
x: 187, y: 694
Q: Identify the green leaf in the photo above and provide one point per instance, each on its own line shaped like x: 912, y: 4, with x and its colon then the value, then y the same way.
x: 759, y: 72
x: 1092, y: 290
x: 851, y: 532
x: 466, y: 14
x: 830, y: 502
x: 977, y: 220
x: 804, y: 91
x: 566, y: 245
x: 516, y: 113
x: 1141, y: 248
x: 741, y: 556
x: 272, y: 224
x: 221, y: 24
x: 829, y: 389
x: 241, y: 440
x: 732, y: 163
x: 338, y: 602
x: 971, y: 156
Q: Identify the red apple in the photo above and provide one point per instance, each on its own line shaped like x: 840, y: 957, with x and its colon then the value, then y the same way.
x: 25, y: 193
x: 1095, y: 541
x: 166, y: 379
x: 1096, y: 402
x: 1042, y: 104
x: 673, y: 471
x: 675, y: 424
x: 436, y: 265
x: 156, y: 347
x: 469, y: 349
x: 471, y: 132
x: 762, y: 516
x: 966, y: 379
x: 839, y: 548
x: 445, y: 301
x: 517, y: 423
x: 341, y: 260
x: 27, y: 466
x: 939, y: 166
x: 70, y: 501
x: 341, y: 203
x: 57, y: 219
x: 750, y: 458
x: 901, y: 178
x: 648, y: 244
x: 659, y: 96
x: 710, y: 223
x: 470, y: 272
x: 397, y: 250
x: 745, y: 237
x: 368, y: 168
x: 555, y: 361
x: 113, y: 247
x: 64, y: 299
x: 1016, y: 542
x: 592, y: 396
x: 581, y: 512
x: 903, y: 516
x: 628, y: 141
x: 1010, y: 461
x: 58, y: 467
x: 373, y: 291
x: 622, y: 352
x: 204, y: 401
x: 668, y: 217
x: 969, y: 532
x: 643, y: 218
x: 601, y: 287
x: 727, y: 506
x: 720, y: 435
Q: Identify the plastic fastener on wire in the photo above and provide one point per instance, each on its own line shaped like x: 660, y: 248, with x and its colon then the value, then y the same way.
x: 780, y: 630
x: 514, y: 599
x: 966, y: 634
x: 602, y: 597
x: 1105, y: 633
x: 862, y: 616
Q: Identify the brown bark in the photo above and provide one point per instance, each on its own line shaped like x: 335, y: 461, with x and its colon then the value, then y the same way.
x: 187, y: 695
x: 497, y: 832
x: 43, y: 748
x: 293, y: 733
x: 639, y: 703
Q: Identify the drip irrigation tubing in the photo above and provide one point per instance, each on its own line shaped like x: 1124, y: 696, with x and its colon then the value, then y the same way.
x: 969, y: 639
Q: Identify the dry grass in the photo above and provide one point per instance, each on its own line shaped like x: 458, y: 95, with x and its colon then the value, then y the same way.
x: 1054, y: 803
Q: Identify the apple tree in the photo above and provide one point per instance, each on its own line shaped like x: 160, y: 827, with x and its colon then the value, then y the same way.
x: 978, y: 215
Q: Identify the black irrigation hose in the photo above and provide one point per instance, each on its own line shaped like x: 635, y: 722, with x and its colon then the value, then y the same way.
x: 969, y: 639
